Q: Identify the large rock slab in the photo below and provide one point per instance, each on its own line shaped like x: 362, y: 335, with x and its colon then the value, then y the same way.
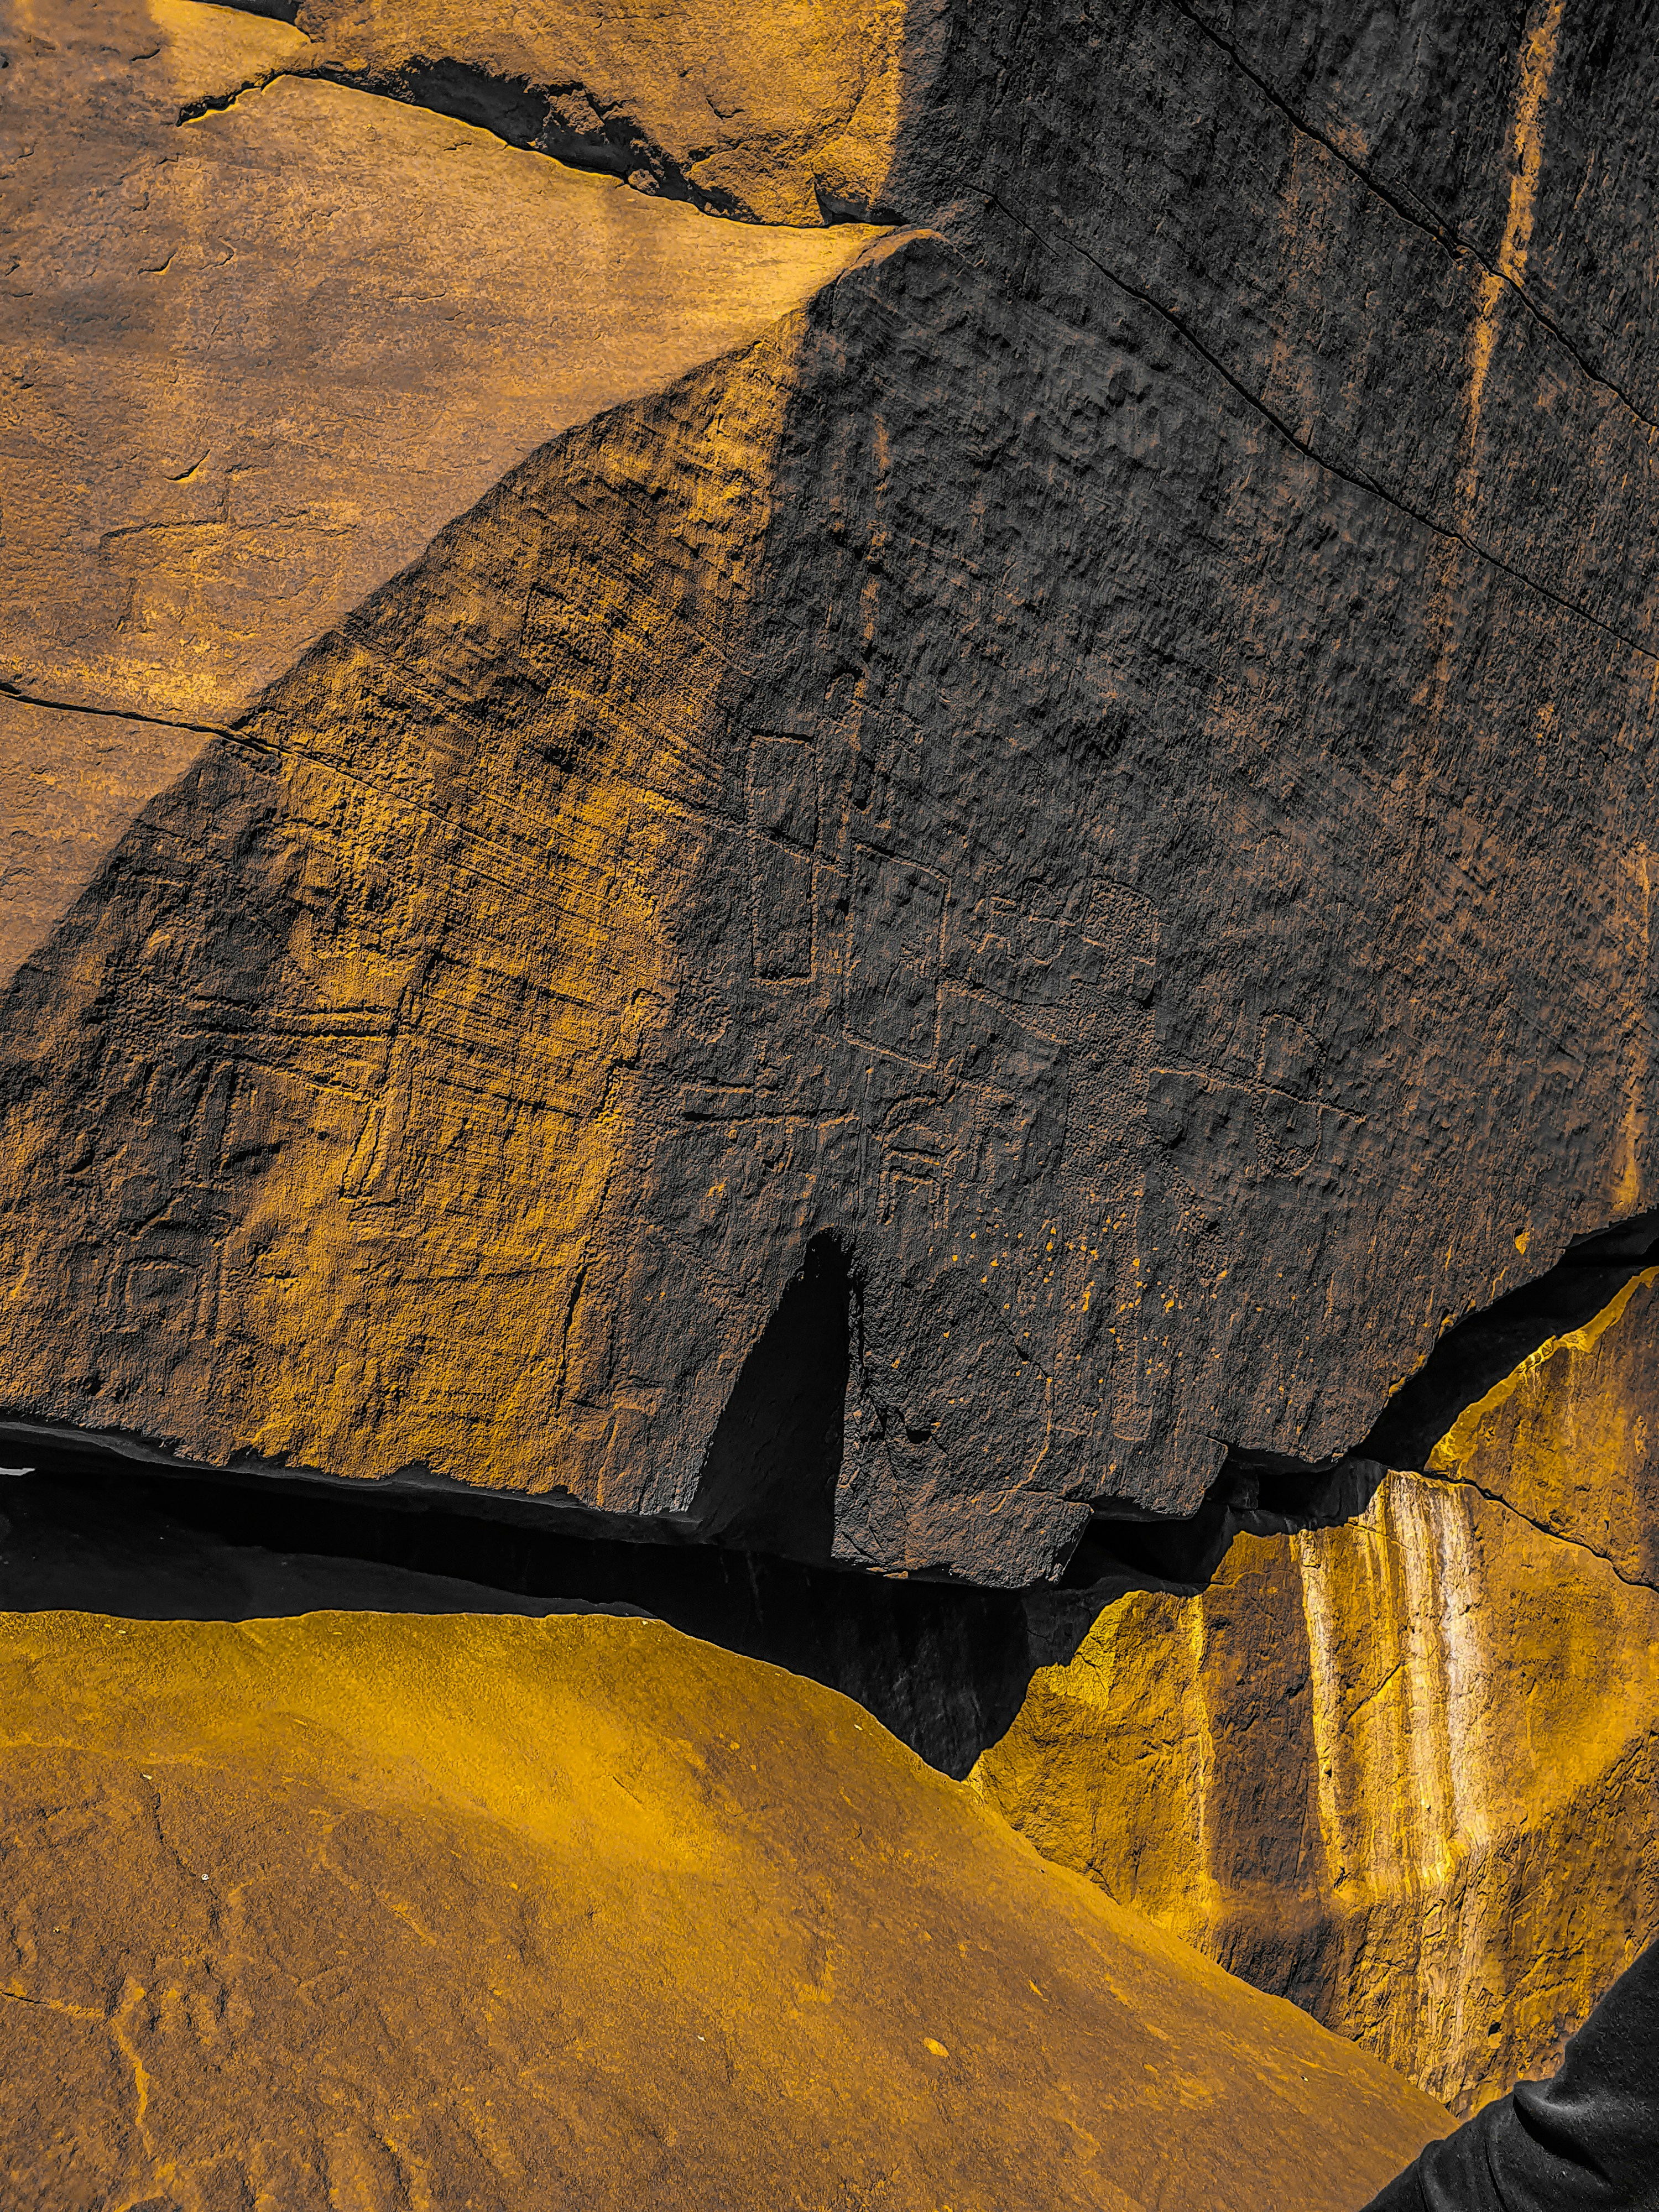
x: 1402, y: 1767
x: 1048, y: 868
x: 352, y: 1909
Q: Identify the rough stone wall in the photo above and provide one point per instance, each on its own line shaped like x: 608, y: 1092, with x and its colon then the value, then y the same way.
x: 1400, y: 1766
x: 1160, y: 875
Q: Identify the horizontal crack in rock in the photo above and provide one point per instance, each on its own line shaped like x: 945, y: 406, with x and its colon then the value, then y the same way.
x: 563, y: 122
x: 114, y: 714
x: 945, y: 1667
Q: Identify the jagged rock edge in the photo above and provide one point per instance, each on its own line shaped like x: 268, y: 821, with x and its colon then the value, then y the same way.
x: 1260, y: 1493
x: 623, y: 157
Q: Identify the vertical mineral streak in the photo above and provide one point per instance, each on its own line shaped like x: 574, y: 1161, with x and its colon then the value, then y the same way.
x: 1537, y: 60
x: 1451, y: 1858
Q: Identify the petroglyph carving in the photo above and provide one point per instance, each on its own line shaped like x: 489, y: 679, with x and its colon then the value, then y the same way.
x: 892, y: 966
x: 782, y: 796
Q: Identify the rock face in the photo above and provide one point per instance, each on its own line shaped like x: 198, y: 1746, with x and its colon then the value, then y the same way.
x: 257, y: 357
x: 1401, y: 1768
x: 1093, y: 778
x: 876, y: 786
x: 498, y: 1912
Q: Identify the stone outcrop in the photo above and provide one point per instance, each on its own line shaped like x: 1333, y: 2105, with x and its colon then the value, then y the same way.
x: 875, y: 787
x: 355, y: 1910
x: 1094, y: 777
x: 1399, y: 1766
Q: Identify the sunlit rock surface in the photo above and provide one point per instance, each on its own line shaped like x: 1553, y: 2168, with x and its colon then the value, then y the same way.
x: 1567, y: 1439
x: 1401, y: 1768
x: 355, y: 1910
x: 254, y: 357
x: 785, y: 113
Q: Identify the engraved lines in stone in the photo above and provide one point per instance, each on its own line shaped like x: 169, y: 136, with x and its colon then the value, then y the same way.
x: 1192, y: 1109
x: 781, y: 789
x: 894, y: 937
x: 910, y: 1151
x: 472, y: 1055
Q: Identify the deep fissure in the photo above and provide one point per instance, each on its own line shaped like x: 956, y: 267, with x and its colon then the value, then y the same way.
x: 564, y: 122
x: 944, y: 1665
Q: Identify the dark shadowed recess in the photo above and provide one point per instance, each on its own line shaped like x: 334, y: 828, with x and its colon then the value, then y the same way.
x: 943, y: 1667
x: 1259, y: 1494
x: 528, y: 116
x: 563, y: 121
x: 1470, y: 1359
x: 769, y: 1481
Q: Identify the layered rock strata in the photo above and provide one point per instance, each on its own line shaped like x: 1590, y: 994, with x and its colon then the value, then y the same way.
x: 497, y: 1912
x: 1399, y: 1766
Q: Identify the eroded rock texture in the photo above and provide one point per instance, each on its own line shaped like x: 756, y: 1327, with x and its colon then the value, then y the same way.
x: 1096, y: 775
x: 852, y: 782
x: 373, y: 1911
x: 1399, y: 1766
x: 256, y: 356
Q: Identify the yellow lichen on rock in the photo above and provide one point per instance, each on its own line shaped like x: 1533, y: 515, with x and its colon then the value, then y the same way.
x: 372, y: 1910
x: 1401, y: 1768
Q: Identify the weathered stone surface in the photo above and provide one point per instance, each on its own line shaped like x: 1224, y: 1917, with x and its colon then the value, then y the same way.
x: 1401, y: 1768
x: 1566, y: 1439
x: 356, y: 1910
x: 255, y: 358
x: 1101, y: 771
x: 781, y: 114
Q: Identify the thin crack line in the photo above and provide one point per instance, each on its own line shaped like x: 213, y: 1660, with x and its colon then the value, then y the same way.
x: 1305, y: 447
x: 1452, y: 241
x: 112, y: 714
x: 1496, y: 1497
x: 1371, y: 1696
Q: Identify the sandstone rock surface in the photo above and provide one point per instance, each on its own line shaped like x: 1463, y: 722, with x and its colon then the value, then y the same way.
x: 357, y: 1910
x: 255, y: 356
x: 1096, y: 778
x: 1400, y: 1766
x: 781, y: 114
